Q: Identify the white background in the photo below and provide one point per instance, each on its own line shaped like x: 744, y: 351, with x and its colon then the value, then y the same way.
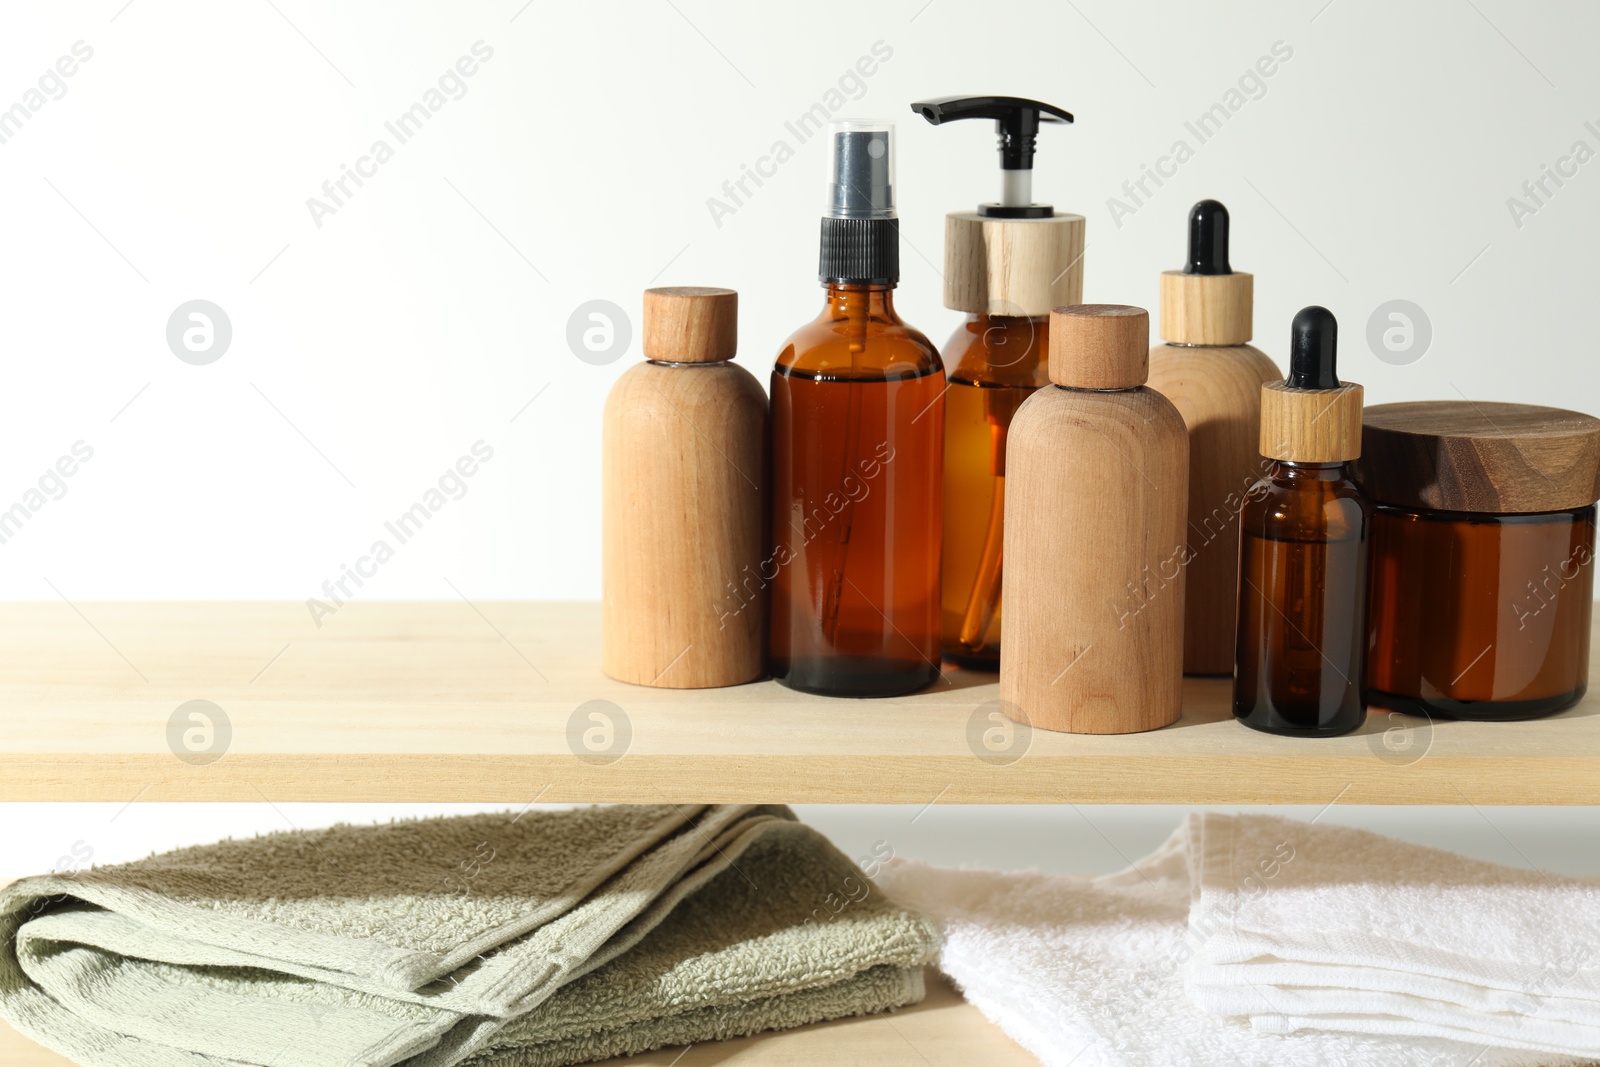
x: 425, y: 314
x: 1376, y: 166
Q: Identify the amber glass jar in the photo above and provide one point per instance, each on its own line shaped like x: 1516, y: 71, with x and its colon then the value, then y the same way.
x: 997, y: 362
x: 1482, y: 557
x: 1481, y: 616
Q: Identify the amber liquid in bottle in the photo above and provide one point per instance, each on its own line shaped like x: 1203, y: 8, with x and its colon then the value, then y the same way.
x: 858, y: 427
x: 998, y: 361
x: 1299, y: 664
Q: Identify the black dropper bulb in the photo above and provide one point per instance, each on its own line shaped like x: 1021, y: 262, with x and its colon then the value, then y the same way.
x: 1208, y: 239
x: 1313, y: 346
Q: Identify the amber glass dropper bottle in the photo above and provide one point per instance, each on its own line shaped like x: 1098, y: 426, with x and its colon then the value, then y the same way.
x: 1299, y: 661
x: 1006, y: 265
x: 857, y: 425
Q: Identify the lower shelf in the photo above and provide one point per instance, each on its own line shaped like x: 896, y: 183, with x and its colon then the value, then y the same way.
x: 942, y: 1031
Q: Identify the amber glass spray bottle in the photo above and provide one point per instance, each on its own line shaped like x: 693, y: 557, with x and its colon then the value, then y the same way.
x: 1300, y: 657
x: 858, y: 426
x: 1006, y: 265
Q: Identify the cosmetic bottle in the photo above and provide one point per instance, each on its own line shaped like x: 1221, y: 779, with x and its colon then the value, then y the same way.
x: 1303, y: 551
x: 1005, y: 265
x: 1214, y: 378
x: 1483, y: 546
x: 857, y: 434
x: 1098, y: 471
x: 684, y: 466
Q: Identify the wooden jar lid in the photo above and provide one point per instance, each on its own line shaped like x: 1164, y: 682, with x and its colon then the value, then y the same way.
x: 1310, y: 425
x: 1012, y: 266
x: 691, y: 324
x: 1207, y: 309
x: 1099, y: 346
x: 1480, y: 456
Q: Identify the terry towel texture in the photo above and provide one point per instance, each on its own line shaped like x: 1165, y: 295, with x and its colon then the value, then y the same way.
x: 1325, y: 927
x: 496, y: 940
x: 1091, y: 971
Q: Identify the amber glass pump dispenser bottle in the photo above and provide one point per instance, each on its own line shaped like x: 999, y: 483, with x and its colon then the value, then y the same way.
x: 1300, y: 657
x: 1006, y: 265
x: 857, y: 425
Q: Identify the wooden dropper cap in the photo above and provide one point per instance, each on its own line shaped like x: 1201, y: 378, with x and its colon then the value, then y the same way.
x: 1099, y: 346
x: 1311, y: 417
x: 691, y: 324
x: 1208, y: 302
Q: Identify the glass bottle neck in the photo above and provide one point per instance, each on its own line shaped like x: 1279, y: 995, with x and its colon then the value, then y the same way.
x: 850, y: 301
x: 1312, y: 472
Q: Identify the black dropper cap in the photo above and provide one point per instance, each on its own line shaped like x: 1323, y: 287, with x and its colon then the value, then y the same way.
x: 1208, y: 239
x: 1017, y: 120
x: 1313, y: 349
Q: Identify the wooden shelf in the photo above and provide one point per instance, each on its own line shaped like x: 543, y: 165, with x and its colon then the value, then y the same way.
x: 942, y: 1031
x: 458, y: 702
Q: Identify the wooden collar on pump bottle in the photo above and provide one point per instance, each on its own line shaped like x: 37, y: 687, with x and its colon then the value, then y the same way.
x: 1099, y: 346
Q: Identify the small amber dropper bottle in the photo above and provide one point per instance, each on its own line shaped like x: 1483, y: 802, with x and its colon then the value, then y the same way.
x: 1006, y: 265
x: 1300, y: 657
x: 857, y: 428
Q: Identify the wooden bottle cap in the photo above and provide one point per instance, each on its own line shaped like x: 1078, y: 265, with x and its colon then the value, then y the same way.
x: 1207, y: 309
x: 1480, y: 456
x: 1012, y: 266
x: 1099, y: 346
x: 1310, y: 425
x: 691, y: 324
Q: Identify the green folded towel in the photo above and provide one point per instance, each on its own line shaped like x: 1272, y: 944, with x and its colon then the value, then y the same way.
x: 491, y: 940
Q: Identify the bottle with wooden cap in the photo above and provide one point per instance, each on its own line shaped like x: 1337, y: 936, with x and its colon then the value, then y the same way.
x: 684, y: 466
x: 857, y: 432
x: 1097, y: 473
x: 1303, y: 551
x: 1214, y: 378
x: 1006, y: 265
x: 1483, y: 549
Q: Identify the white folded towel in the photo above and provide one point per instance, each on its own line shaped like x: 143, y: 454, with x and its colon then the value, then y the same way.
x: 1090, y: 972
x: 1303, y: 926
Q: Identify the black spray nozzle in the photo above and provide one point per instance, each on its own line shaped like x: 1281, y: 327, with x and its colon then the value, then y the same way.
x: 1208, y: 239
x: 862, y: 168
x: 1313, y: 350
x: 1017, y: 120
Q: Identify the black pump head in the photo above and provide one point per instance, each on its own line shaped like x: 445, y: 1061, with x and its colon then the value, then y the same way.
x: 1313, y: 349
x: 1017, y: 119
x: 1208, y: 239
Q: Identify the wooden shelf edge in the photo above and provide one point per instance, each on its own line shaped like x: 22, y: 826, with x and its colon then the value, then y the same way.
x: 942, y: 1031
x: 843, y: 779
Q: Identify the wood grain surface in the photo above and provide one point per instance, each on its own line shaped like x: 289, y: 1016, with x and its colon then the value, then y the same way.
x: 1096, y: 505
x: 1218, y: 393
x: 1460, y: 455
x: 491, y: 702
x: 683, y: 520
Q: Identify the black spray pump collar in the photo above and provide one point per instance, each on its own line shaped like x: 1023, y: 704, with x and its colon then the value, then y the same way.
x: 1313, y: 350
x: 1208, y: 239
x: 1017, y: 120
